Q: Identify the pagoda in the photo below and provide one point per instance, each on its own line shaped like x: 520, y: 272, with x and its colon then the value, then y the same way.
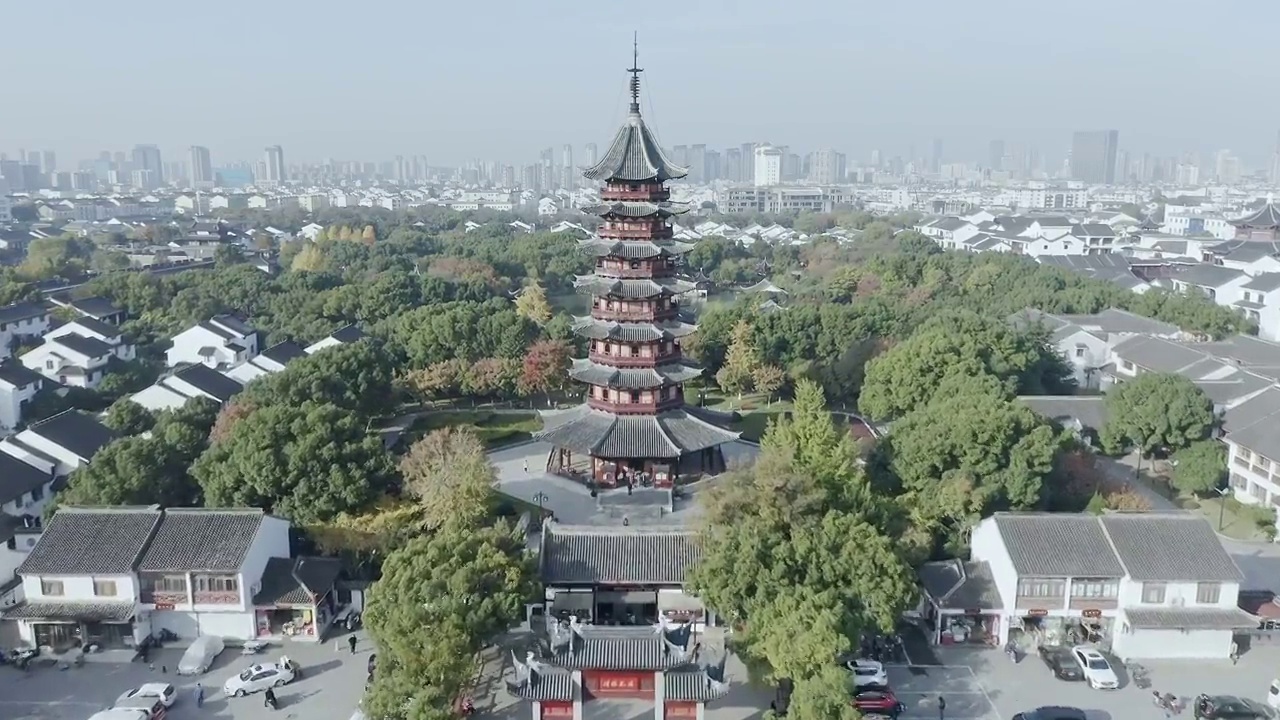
x: 634, y: 428
x: 1264, y: 224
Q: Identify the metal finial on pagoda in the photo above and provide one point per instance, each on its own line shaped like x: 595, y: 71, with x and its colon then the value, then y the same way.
x: 635, y: 71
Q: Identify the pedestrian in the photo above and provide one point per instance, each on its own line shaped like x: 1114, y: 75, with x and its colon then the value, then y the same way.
x: 351, y: 642
x: 1235, y: 653
x: 942, y: 707
x: 526, y: 466
x: 199, y: 695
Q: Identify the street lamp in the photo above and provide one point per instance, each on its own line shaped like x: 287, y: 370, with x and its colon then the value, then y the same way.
x: 1222, y: 504
x: 540, y: 498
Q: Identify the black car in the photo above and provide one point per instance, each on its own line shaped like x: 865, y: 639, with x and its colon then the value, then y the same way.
x: 1052, y: 712
x: 1061, y: 662
x: 1230, y: 707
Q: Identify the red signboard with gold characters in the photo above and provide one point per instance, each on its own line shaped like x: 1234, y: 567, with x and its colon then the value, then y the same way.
x: 628, y: 683
x: 554, y: 709
x: 676, y: 710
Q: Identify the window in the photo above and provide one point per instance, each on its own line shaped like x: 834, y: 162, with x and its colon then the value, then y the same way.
x: 1207, y: 593
x: 1153, y: 592
x: 217, y: 583
x: 1080, y: 351
x: 1099, y: 589
x: 1126, y: 365
x: 48, y: 364
x: 52, y: 588
x: 1238, y: 481
x: 1041, y: 588
x: 104, y: 588
x: 168, y: 583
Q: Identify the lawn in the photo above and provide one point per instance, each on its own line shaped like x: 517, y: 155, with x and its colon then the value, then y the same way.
x: 1236, y: 520
x: 495, y: 429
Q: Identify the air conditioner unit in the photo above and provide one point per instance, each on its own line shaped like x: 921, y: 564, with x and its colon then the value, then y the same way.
x: 1178, y: 602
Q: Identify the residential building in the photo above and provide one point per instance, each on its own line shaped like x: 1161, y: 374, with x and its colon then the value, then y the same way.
x: 1088, y: 342
x: 341, y: 336
x: 22, y: 321
x: 1093, y: 156
x: 775, y: 200
x: 272, y: 360
x: 78, y: 353
x: 148, y: 169
x: 274, y: 173
x: 1155, y: 585
x: 59, y: 444
x: 220, y: 342
x: 1252, y: 436
x: 95, y: 308
x: 174, y: 391
x: 767, y: 166
x: 827, y: 167
x: 18, y: 387
x: 114, y: 575
x: 202, y: 176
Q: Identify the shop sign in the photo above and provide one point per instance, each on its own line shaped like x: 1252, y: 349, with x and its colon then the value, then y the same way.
x: 1092, y: 613
x: 681, y: 710
x: 619, y: 683
x: 164, y: 606
x: 1037, y: 612
x: 557, y: 709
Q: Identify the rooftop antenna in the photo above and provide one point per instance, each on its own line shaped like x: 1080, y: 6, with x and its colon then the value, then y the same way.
x: 635, y: 71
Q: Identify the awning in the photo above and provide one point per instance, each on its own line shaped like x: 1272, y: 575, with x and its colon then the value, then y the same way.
x: 1165, y: 618
x: 82, y: 611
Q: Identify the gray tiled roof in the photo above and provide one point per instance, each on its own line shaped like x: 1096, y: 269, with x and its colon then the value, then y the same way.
x: 202, y: 540
x: 1169, y: 618
x: 86, y: 611
x: 1264, y: 282
x: 949, y: 223
x: 619, y: 648
x: 638, y: 209
x: 1030, y: 317
x: 1092, y: 230
x: 1172, y: 546
x: 668, y: 435
x: 1058, y: 545
x: 1264, y: 217
x: 584, y: 370
x: 631, y: 288
x: 18, y: 375
x: 632, y: 249
x: 1246, y: 350
x: 635, y: 155
x: 545, y: 684
x: 1114, y: 320
x: 76, y: 432
x: 92, y: 541
x: 692, y: 686
x: 960, y: 585
x: 590, y: 327
x: 1158, y: 354
x: 296, y: 581
x: 208, y: 380
x: 18, y: 478
x: 23, y: 311
x: 610, y: 555
x: 88, y: 346
x: 1251, y: 412
x: 1210, y: 276
x: 1089, y: 411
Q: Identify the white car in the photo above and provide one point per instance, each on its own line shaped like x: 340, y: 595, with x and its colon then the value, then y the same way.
x: 200, y: 655
x: 868, y: 674
x: 257, y: 678
x: 1097, y: 671
x: 164, y: 692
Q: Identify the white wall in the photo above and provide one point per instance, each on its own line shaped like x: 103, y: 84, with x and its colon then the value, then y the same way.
x: 986, y: 545
x: 66, y: 460
x: 271, y: 541
x: 80, y: 588
x: 187, y: 345
x: 1170, y: 644
x: 11, y: 399
x: 1177, y: 594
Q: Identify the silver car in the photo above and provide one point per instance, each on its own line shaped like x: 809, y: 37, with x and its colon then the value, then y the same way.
x: 257, y: 678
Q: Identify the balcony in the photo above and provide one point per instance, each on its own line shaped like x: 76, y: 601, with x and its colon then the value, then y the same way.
x: 661, y: 232
x: 630, y: 408
x: 658, y: 194
x: 670, y: 313
x: 217, y: 597
x: 164, y: 597
x: 628, y: 361
x: 1028, y: 603
x: 644, y: 271
x: 1093, y: 603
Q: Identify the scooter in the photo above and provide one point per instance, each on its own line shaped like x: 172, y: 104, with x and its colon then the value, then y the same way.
x: 1167, y: 701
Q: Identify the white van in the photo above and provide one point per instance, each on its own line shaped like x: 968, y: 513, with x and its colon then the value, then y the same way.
x: 197, y: 659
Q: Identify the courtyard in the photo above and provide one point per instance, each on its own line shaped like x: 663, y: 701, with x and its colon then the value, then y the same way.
x: 331, y: 684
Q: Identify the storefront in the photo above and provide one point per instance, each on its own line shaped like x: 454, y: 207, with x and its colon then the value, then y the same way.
x: 63, y: 626
x: 1087, y: 626
x: 961, y: 604
x: 972, y: 627
x: 297, y: 599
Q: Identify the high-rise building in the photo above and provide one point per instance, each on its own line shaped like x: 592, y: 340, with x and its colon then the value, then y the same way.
x: 680, y: 155
x: 935, y: 161
x: 147, y: 158
x: 50, y: 162
x: 11, y: 172
x: 568, y: 176
x: 732, y: 169
x: 713, y: 167
x: 634, y: 428
x: 1226, y: 167
x: 767, y: 166
x: 273, y: 168
x: 593, y: 154
x: 697, y: 164
x: 1093, y: 156
x: 201, y: 168
x: 995, y: 155
x: 827, y: 167
x: 748, y: 174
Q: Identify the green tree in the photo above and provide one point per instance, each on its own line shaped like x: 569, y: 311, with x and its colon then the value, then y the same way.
x: 532, y: 304
x: 741, y: 361
x: 307, y: 462
x: 768, y: 379
x: 823, y: 696
x: 310, y: 258
x: 1156, y: 411
x: 128, y: 417
x: 450, y: 476
x: 133, y: 471
x: 440, y: 599
x: 1200, y: 467
x: 355, y: 376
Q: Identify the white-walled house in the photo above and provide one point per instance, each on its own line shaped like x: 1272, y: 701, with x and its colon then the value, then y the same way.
x: 22, y: 320
x: 59, y: 443
x: 18, y: 386
x: 341, y: 336
x: 1148, y: 585
x: 78, y: 353
x: 173, y: 391
x: 220, y: 342
x: 272, y: 360
x: 110, y: 575
x: 1253, y: 449
x: 1088, y: 342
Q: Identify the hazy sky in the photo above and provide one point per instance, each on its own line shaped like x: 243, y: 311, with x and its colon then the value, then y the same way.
x: 501, y: 79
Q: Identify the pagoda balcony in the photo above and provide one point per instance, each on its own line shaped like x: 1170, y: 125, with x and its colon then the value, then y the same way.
x: 612, y: 233
x: 633, y: 361
x: 629, y: 272
x: 637, y: 408
x: 654, y: 195
x: 636, y: 315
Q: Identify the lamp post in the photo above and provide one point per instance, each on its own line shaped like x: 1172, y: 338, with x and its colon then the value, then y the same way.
x: 540, y: 498
x: 1222, y: 504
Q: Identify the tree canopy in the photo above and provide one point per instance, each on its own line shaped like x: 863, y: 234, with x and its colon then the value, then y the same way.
x: 1156, y: 411
x: 1200, y: 467
x: 450, y: 477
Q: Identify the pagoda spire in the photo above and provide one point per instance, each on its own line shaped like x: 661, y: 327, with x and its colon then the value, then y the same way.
x: 635, y: 71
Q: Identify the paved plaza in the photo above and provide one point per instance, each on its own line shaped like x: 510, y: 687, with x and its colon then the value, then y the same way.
x: 331, y: 685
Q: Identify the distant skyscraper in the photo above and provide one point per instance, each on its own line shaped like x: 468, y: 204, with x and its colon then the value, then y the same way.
x: 697, y: 164
x: 201, y: 168
x: 33, y: 158
x: 827, y: 167
x: 995, y: 155
x: 935, y: 161
x: 876, y: 159
x: 680, y: 155
x: 1093, y: 156
x: 593, y: 154
x: 1275, y: 162
x: 748, y: 163
x: 732, y: 169
x: 147, y: 159
x: 713, y: 167
x: 50, y: 162
x: 768, y: 166
x: 273, y: 170
x: 569, y: 178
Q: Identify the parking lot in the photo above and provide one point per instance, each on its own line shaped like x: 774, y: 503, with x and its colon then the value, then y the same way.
x: 331, y: 684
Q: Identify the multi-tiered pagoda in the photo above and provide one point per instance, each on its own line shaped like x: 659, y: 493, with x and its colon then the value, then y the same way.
x: 635, y: 428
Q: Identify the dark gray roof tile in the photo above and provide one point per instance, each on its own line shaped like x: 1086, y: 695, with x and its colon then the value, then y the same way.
x: 79, y: 433
x: 1058, y: 545
x: 202, y: 540
x: 1169, y: 618
x: 635, y: 155
x: 669, y: 435
x: 92, y: 541
x: 961, y: 585
x: 1169, y: 547
x: 606, y: 555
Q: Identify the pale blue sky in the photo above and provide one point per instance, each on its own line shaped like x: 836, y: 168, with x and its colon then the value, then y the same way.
x: 501, y: 79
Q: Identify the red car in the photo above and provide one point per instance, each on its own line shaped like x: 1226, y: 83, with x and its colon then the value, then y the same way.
x: 878, y: 702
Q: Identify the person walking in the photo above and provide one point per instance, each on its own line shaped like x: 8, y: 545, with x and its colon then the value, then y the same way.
x: 526, y: 466
x: 1235, y: 652
x: 199, y: 695
x: 942, y: 708
x: 351, y: 642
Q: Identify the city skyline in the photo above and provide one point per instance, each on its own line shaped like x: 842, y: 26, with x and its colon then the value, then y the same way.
x: 968, y: 75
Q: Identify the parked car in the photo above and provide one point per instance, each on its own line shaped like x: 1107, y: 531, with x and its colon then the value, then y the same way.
x: 1230, y: 707
x: 197, y: 659
x: 868, y: 674
x: 878, y: 702
x: 154, y: 707
x: 1061, y: 662
x: 257, y: 678
x: 1097, y: 671
x: 120, y: 714
x: 164, y: 692
x: 1052, y: 712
